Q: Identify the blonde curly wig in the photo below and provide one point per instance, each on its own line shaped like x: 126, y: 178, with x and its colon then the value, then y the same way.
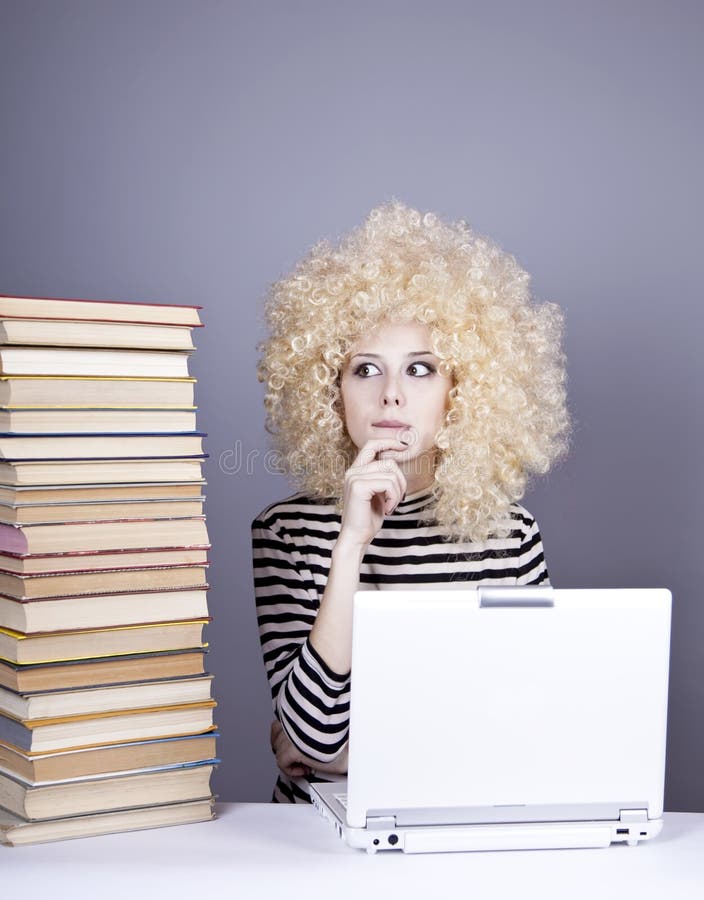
x: 507, y: 417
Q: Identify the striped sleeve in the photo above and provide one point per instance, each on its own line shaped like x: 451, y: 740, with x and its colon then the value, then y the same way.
x: 530, y: 565
x: 310, y: 700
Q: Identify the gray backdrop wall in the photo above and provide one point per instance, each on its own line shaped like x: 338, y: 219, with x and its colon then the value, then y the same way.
x: 190, y: 152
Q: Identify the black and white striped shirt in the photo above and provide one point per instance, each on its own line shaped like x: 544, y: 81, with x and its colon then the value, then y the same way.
x: 292, y: 542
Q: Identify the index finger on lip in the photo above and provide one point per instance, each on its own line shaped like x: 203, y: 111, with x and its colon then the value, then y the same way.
x: 371, y: 449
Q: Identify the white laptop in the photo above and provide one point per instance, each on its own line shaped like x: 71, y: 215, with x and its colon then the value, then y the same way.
x: 504, y: 718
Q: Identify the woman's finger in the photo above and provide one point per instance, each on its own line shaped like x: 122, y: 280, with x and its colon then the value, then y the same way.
x: 386, y: 471
x: 378, y: 467
x: 373, y: 448
x: 368, y: 486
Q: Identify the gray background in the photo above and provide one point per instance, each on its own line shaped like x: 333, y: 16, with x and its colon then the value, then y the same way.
x: 190, y: 152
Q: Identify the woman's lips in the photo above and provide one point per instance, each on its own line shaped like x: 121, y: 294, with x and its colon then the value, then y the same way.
x: 390, y: 423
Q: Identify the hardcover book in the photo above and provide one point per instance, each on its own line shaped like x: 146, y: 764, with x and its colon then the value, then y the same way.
x: 91, y: 363
x: 107, y: 698
x: 75, y: 732
x: 16, y: 647
x: 77, y: 561
x: 100, y: 582
x: 16, y: 831
x: 52, y: 801
x: 18, y: 494
x: 53, y: 614
x: 87, y: 393
x: 92, y: 471
x: 93, y: 672
x: 99, y: 510
x: 98, y: 310
x: 123, y: 534
x: 57, y: 419
x: 99, y: 446
x: 125, y: 757
x: 74, y: 333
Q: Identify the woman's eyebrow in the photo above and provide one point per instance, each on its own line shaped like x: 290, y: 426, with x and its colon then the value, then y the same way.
x: 380, y: 356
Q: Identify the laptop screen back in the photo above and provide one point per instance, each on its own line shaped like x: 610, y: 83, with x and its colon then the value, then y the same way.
x: 515, y: 698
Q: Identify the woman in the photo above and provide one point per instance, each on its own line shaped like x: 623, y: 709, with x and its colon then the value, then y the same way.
x: 412, y: 388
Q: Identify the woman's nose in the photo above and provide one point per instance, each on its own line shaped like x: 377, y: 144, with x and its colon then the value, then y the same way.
x: 391, y: 395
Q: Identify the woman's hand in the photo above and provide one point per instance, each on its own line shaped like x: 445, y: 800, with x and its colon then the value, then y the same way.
x: 296, y: 764
x: 374, y: 486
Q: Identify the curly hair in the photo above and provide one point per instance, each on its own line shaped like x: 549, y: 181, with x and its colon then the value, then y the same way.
x: 507, y: 417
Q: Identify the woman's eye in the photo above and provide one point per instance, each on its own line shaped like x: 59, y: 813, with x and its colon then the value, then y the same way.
x: 419, y: 369
x: 366, y: 370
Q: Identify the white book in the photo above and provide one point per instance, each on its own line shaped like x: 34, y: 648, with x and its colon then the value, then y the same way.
x: 116, y: 363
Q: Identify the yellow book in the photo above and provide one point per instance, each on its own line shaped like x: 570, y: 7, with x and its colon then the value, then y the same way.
x: 96, y: 642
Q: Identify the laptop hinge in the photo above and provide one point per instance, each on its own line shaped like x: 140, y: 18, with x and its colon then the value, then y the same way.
x: 379, y: 823
x: 634, y: 816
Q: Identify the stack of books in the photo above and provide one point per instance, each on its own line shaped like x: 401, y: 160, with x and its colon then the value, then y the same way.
x: 106, y: 710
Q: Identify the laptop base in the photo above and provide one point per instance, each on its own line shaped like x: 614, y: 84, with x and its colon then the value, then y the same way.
x: 384, y: 834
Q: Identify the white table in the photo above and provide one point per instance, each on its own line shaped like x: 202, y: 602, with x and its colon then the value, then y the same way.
x: 262, y: 850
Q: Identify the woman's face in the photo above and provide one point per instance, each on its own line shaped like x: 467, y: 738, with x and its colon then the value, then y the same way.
x: 391, y: 387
